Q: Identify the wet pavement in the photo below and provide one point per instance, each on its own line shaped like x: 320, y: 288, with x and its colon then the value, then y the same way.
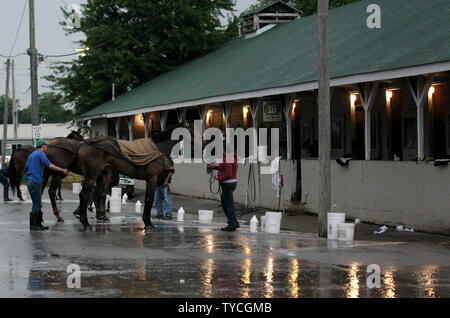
x: 190, y: 259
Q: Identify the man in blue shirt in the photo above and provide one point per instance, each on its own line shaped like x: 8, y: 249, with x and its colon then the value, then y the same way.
x: 35, y: 166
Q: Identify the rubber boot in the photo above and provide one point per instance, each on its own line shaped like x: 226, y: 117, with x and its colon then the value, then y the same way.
x: 36, y: 223
x: 6, y: 196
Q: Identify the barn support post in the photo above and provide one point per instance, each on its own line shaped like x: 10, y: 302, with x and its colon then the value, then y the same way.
x: 117, y: 126
x: 289, y: 100
x: 255, y: 107
x: 163, y: 118
x: 181, y: 114
x: 130, y: 120
x: 367, y: 92
x: 420, y: 93
x: 227, y: 108
x: 146, y: 120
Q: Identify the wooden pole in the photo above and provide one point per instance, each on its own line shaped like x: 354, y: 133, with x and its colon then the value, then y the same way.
x: 14, y: 106
x: 324, y: 119
x: 5, y: 114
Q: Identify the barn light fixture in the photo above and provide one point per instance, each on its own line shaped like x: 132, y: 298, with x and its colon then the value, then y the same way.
x: 431, y: 91
x: 389, y: 94
x: 352, y: 98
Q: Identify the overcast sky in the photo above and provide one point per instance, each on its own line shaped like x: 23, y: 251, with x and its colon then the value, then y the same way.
x: 50, y: 39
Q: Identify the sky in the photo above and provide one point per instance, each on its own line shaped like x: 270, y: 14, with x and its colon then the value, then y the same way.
x: 50, y: 39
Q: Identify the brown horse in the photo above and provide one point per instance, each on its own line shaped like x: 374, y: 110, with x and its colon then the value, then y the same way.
x: 59, y: 156
x: 96, y: 166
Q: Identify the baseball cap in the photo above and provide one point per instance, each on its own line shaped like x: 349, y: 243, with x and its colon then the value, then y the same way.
x: 41, y: 142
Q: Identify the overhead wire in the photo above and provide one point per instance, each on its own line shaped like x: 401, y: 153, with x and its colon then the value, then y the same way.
x: 19, y: 27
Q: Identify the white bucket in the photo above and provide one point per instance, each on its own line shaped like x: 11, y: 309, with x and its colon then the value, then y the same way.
x: 333, y: 220
x: 115, y: 205
x: 116, y: 193
x: 24, y: 191
x: 205, y: 216
x: 346, y: 231
x: 76, y: 187
x: 273, y: 222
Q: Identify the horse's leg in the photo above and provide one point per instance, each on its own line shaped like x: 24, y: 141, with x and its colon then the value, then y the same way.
x: 56, y: 181
x: 84, y: 194
x: 45, y: 178
x: 102, y: 188
x: 149, y: 196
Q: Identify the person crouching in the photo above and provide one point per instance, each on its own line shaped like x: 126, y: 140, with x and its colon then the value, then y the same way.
x: 36, y: 163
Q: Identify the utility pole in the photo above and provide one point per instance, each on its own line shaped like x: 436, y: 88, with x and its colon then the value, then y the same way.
x: 14, y: 106
x: 5, y: 114
x: 324, y: 119
x: 33, y: 68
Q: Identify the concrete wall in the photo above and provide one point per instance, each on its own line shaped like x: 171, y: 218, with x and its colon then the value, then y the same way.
x: 386, y: 192
x: 380, y: 192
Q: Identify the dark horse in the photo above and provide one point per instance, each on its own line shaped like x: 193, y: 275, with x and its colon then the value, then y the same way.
x: 59, y: 156
x: 96, y: 166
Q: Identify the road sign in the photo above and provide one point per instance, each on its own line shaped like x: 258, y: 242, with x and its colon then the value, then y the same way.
x: 37, y: 132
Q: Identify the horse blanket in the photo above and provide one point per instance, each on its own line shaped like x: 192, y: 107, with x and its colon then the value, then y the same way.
x: 139, y: 152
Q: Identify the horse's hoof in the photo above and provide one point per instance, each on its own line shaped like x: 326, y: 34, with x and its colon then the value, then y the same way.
x: 60, y: 219
x: 87, y: 227
x: 149, y: 227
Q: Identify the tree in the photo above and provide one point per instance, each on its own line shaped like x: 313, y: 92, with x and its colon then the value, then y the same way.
x: 131, y: 42
x: 308, y: 7
x: 51, y: 110
x: 2, y: 107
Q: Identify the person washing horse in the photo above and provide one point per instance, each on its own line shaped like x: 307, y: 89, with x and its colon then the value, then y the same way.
x: 227, y: 177
x: 36, y: 163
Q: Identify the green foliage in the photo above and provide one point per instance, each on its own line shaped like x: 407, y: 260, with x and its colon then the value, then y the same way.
x: 51, y: 110
x: 2, y: 109
x: 131, y: 42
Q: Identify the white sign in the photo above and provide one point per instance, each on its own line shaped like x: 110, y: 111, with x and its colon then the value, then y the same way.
x: 37, y: 132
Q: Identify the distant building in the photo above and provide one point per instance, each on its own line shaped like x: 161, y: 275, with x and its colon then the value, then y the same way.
x: 24, y: 133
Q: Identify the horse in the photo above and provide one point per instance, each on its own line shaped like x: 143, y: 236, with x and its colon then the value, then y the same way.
x: 59, y: 156
x: 96, y: 166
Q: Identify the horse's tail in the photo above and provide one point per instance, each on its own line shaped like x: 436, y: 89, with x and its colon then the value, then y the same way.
x: 14, y: 175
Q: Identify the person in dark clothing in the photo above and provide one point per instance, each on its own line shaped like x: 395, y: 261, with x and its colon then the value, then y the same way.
x: 35, y: 166
x: 227, y: 177
x: 4, y: 181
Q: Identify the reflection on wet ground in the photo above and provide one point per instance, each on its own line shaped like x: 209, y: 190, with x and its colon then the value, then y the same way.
x: 193, y: 260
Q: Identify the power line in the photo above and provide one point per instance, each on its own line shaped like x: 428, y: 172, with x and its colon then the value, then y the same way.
x: 18, y: 28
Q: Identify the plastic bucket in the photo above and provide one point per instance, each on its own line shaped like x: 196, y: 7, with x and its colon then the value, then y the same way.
x: 273, y: 222
x: 24, y: 191
x: 333, y: 220
x: 263, y: 223
x: 115, y: 205
x: 76, y: 187
x: 346, y: 231
x: 205, y: 216
x: 116, y: 193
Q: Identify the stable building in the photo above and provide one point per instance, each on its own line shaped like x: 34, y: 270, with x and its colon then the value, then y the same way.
x: 390, y: 110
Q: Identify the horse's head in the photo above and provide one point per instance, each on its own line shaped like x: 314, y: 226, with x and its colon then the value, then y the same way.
x: 75, y: 135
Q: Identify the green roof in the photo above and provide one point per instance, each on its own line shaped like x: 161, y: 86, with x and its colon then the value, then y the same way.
x: 413, y: 32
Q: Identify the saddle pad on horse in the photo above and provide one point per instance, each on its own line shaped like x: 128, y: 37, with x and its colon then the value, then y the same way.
x: 138, y: 152
x: 71, y: 145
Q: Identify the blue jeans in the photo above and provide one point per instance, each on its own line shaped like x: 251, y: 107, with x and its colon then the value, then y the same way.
x: 35, y: 192
x: 163, y: 201
x: 4, y: 181
x: 227, y: 200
